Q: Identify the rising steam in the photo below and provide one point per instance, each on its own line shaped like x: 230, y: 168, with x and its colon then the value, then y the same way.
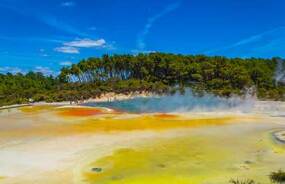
x: 280, y: 72
x: 182, y: 103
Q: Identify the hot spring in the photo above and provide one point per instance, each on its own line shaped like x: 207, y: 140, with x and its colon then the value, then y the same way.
x: 170, y: 139
x: 189, y: 102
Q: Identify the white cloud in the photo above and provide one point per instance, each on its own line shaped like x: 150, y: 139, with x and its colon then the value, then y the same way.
x: 93, y: 28
x: 44, y: 70
x: 68, y: 4
x: 65, y: 63
x: 136, y: 51
x: 49, y: 19
x: 72, y: 47
x: 86, y: 43
x: 12, y: 70
x: 142, y: 35
x: 265, y: 44
x: 67, y: 50
x: 55, y: 22
x: 45, y: 55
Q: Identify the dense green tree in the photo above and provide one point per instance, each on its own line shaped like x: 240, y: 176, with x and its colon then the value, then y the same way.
x: 156, y: 72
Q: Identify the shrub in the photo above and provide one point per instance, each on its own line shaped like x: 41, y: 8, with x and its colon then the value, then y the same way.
x: 277, y: 177
x: 237, y: 181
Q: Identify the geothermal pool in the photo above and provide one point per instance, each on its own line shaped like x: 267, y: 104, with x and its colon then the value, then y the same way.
x: 84, y: 144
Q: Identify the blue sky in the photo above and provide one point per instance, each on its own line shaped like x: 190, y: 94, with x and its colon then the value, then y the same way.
x: 47, y: 35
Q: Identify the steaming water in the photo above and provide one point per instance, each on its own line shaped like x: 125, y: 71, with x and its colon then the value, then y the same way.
x: 180, y: 103
x: 189, y: 102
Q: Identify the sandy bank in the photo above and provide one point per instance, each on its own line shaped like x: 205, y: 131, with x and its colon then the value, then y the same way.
x: 107, y: 97
x: 13, y: 106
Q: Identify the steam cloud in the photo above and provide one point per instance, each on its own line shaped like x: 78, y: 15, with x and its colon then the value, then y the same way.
x: 280, y: 72
x: 182, y: 103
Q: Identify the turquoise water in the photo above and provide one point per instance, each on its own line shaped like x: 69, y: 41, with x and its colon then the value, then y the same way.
x: 178, y: 103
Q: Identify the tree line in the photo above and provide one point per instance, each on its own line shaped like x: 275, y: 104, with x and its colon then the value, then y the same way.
x: 155, y: 72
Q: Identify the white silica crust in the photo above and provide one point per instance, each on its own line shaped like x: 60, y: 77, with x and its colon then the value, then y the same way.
x: 280, y: 136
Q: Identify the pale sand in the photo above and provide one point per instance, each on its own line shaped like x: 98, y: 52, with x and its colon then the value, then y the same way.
x: 41, y: 159
x: 54, y: 160
x: 106, y: 97
x: 33, y: 159
x: 13, y: 106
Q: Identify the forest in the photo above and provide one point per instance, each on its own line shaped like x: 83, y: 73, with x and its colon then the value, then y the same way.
x: 155, y: 72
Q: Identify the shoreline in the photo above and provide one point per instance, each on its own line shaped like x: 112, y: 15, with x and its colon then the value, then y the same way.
x: 15, y: 106
x: 107, y: 97
x: 111, y: 96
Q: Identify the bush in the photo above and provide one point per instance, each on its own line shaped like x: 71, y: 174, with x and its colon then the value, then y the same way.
x: 277, y: 177
x: 237, y: 181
